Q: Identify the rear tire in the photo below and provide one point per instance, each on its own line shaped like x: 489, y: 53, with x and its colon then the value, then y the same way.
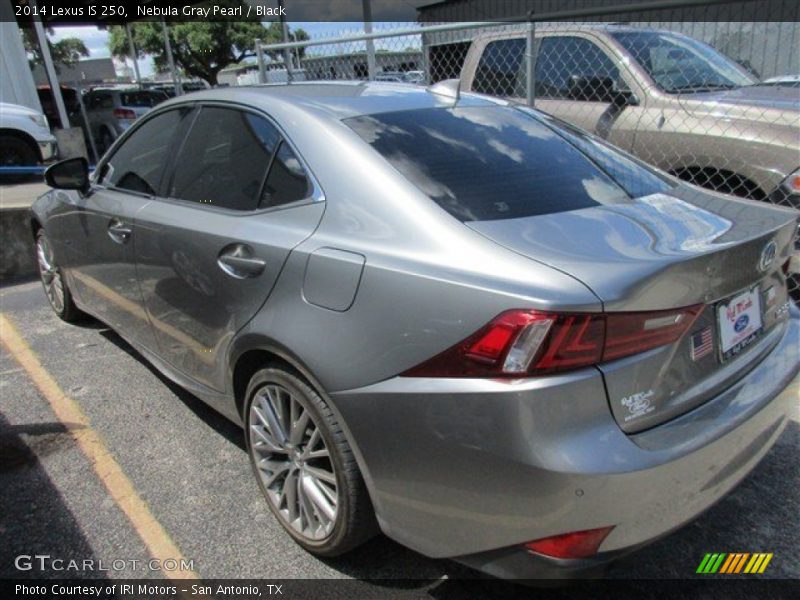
x: 304, y: 465
x: 52, y: 277
x: 106, y: 140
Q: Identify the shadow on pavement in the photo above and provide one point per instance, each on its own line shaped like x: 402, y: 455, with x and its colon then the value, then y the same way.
x: 33, y: 517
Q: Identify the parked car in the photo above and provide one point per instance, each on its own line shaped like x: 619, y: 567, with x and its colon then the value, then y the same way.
x: 193, y: 85
x: 111, y: 111
x: 783, y: 80
x: 493, y: 336
x: 415, y: 77
x: 669, y: 99
x: 71, y: 104
x: 25, y: 137
x: 390, y: 76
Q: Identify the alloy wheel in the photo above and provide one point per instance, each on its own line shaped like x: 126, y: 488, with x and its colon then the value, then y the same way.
x: 51, y: 276
x: 293, y: 462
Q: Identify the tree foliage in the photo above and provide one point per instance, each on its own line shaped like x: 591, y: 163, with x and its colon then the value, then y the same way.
x: 200, y: 48
x: 65, y: 52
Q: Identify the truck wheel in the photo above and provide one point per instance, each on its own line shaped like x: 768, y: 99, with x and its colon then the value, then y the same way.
x: 16, y: 152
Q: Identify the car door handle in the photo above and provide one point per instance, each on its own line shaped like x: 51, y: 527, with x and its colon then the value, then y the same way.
x: 239, y: 261
x: 119, y: 231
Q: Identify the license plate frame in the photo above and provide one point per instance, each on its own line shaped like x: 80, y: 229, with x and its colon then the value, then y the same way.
x: 744, y: 310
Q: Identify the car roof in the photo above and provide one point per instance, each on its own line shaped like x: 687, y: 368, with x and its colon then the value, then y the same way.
x: 335, y: 100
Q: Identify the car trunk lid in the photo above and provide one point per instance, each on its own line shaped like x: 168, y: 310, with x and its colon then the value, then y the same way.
x: 669, y: 251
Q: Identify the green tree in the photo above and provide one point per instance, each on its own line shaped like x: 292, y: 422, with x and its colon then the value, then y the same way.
x: 65, y: 52
x: 202, y: 48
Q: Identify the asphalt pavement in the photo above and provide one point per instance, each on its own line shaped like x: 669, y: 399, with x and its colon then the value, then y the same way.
x: 189, y: 466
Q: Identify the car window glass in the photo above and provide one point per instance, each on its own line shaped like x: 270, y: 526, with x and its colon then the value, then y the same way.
x: 142, y: 99
x: 99, y: 100
x: 681, y: 64
x: 485, y: 163
x: 287, y: 180
x: 573, y: 68
x: 501, y: 70
x: 224, y: 159
x: 633, y: 176
x: 139, y: 162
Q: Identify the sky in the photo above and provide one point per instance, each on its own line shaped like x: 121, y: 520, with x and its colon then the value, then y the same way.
x: 96, y: 40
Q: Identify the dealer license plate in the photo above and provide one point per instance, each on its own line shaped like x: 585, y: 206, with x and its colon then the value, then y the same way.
x: 739, y: 322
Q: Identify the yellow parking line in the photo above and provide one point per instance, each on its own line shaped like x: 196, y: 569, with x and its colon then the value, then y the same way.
x: 120, y: 488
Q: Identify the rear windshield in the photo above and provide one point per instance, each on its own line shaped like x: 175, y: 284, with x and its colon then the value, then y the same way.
x: 142, y: 99
x: 496, y: 162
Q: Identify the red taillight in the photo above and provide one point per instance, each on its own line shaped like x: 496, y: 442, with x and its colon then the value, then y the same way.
x: 124, y: 113
x: 577, y: 544
x: 527, y: 342
x: 631, y: 333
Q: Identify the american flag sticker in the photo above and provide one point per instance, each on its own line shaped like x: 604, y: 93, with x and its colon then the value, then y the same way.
x: 702, y: 343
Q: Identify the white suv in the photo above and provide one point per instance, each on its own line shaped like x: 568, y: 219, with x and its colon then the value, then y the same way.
x: 25, y: 137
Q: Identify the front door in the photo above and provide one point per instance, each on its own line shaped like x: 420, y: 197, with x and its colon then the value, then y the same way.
x: 101, y: 228
x: 574, y: 78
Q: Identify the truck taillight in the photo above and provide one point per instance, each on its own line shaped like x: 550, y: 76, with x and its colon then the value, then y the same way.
x: 124, y: 113
x: 520, y: 343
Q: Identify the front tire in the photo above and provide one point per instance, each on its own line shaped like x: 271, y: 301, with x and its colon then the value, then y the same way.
x: 55, y: 287
x: 304, y: 465
x: 16, y: 152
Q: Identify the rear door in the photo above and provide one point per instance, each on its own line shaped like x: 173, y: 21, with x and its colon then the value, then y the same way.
x: 209, y: 251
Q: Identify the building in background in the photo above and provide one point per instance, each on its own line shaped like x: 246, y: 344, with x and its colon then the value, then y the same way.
x: 85, y: 72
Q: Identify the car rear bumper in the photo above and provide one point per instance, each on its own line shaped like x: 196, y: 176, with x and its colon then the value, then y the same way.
x: 473, y: 469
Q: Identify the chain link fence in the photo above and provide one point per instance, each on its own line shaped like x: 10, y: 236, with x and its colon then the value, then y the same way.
x: 649, y: 87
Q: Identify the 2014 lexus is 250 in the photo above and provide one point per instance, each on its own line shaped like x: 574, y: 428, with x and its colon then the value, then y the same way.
x: 445, y: 317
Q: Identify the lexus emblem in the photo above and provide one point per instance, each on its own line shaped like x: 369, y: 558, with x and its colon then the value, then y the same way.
x: 767, y: 256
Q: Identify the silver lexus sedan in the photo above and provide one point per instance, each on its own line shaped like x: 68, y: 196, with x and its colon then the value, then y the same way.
x: 449, y: 318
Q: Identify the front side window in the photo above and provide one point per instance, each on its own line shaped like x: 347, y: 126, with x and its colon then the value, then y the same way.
x: 139, y: 163
x: 486, y: 163
x: 501, y: 70
x: 574, y: 68
x: 680, y: 64
x: 224, y: 159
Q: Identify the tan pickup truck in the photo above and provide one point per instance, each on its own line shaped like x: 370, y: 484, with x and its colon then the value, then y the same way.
x: 665, y: 97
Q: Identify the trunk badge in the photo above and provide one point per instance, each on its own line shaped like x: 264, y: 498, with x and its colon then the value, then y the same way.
x: 767, y: 256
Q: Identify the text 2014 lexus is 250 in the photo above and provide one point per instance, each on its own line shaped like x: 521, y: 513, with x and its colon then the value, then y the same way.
x: 455, y: 320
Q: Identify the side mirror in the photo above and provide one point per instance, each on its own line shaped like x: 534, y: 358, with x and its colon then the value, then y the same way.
x: 599, y: 89
x: 623, y: 98
x: 69, y: 174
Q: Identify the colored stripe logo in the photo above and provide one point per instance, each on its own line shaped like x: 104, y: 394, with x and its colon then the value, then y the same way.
x: 734, y: 563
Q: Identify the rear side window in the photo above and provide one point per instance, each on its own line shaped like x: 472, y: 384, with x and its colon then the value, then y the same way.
x: 485, y: 163
x: 139, y: 162
x: 501, y: 70
x: 100, y: 101
x: 287, y: 181
x: 224, y: 159
x: 142, y: 99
